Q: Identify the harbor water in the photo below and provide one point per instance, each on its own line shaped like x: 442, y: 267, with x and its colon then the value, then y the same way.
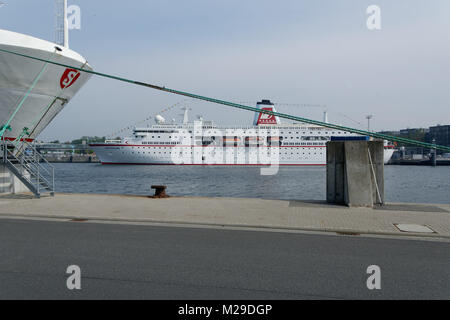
x: 402, y: 183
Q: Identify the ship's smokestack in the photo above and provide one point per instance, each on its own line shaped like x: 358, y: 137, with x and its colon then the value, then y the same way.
x: 264, y: 118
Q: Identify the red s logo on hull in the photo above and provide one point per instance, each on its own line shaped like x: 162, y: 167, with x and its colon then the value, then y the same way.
x: 68, y: 78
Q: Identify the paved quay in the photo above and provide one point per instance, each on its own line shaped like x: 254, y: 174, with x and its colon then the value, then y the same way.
x: 125, y: 261
x: 235, y: 212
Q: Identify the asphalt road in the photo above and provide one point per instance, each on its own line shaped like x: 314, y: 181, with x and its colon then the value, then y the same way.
x: 149, y: 262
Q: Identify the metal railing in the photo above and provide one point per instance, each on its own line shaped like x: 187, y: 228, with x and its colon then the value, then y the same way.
x: 29, y: 166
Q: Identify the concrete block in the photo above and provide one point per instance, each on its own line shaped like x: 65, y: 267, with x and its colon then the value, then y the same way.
x: 358, y: 181
x: 352, y: 178
x: 335, y: 172
x: 377, y: 154
x: 9, y: 183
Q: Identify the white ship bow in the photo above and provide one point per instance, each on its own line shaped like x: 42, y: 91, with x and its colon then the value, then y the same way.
x: 52, y: 91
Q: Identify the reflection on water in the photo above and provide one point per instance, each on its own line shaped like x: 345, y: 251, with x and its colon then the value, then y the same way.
x: 402, y: 183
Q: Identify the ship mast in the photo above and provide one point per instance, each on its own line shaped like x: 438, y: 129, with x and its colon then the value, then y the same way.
x: 186, y: 116
x: 62, y: 24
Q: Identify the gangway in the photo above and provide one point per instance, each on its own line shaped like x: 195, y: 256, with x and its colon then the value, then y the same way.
x: 29, y: 166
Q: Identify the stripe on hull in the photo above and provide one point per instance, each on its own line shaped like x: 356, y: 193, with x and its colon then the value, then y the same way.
x: 13, y: 139
x: 208, y: 164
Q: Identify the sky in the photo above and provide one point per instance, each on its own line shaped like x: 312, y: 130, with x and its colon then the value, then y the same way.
x: 293, y: 52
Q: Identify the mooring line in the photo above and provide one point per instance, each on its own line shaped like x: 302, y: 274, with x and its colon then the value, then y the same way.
x: 25, y: 97
x: 239, y: 106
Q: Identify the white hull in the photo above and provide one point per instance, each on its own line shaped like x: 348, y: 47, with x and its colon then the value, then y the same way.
x: 53, y: 90
x: 147, y: 155
x: 121, y: 154
x: 176, y: 145
x: 388, y: 152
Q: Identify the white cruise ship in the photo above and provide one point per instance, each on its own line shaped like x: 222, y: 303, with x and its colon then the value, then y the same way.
x: 266, y: 142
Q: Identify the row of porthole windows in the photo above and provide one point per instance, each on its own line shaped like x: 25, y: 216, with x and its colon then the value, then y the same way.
x: 164, y: 143
x: 311, y: 132
x: 284, y: 149
x: 164, y: 152
x: 160, y: 152
x: 317, y: 133
x: 303, y: 144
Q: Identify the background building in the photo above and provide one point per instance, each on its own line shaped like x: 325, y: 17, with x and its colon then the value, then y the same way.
x: 441, y: 134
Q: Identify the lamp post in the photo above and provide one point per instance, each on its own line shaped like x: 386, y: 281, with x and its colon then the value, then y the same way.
x: 368, y: 117
x: 433, y: 154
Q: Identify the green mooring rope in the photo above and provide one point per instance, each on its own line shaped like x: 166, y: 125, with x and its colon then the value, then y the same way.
x: 25, y: 97
x: 42, y: 114
x: 240, y: 106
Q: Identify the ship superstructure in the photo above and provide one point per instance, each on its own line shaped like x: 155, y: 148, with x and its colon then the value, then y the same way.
x: 266, y: 142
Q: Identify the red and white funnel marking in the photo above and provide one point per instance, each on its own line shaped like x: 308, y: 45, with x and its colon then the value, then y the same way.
x: 264, y: 118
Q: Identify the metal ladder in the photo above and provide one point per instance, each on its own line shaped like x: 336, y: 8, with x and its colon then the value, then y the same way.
x: 29, y: 166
